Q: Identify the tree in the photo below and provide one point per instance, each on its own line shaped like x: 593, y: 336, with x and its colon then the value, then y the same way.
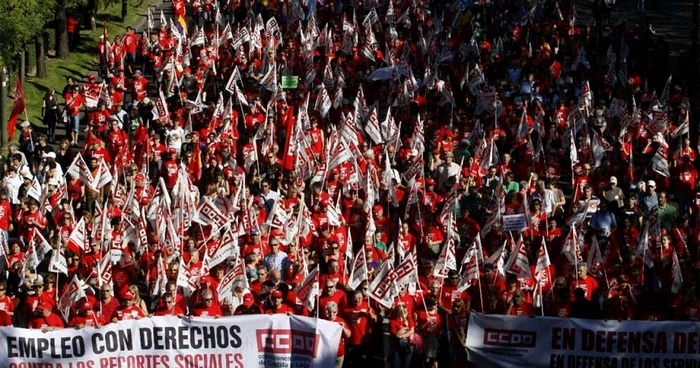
x: 41, y: 71
x: 20, y: 21
x: 62, y: 49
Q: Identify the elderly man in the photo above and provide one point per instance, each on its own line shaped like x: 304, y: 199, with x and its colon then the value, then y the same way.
x: 447, y: 170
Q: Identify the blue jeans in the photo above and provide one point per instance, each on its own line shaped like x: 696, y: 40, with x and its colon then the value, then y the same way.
x: 75, y: 123
x: 401, y: 353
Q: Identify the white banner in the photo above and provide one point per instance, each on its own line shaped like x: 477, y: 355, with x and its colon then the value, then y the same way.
x: 514, y: 222
x: 244, y: 341
x: 512, y: 341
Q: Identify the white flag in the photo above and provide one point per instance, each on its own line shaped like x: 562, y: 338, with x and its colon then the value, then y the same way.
x: 677, y: 275
x: 359, y: 269
x: 518, y: 263
x: 309, y: 289
x: 72, y: 294
x: 447, y: 260
x: 382, y: 287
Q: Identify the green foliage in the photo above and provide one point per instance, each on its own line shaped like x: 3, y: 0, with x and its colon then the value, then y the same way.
x: 20, y: 21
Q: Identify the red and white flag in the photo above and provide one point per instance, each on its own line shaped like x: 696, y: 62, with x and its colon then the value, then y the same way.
x: 382, y: 288
x: 470, y: 267
x: 77, y: 240
x: 543, y: 262
x: 58, y: 263
x: 498, y: 259
x: 372, y: 128
x: 308, y: 290
x: 72, y: 294
x: 447, y: 260
x: 323, y: 101
x: 358, y: 272
x: 159, y: 284
x: 594, y: 261
x: 226, y: 247
x: 233, y: 278
x: 407, y: 270
x: 518, y: 263
x: 210, y: 214
x: 104, y: 271
x: 643, y: 250
x: 677, y: 274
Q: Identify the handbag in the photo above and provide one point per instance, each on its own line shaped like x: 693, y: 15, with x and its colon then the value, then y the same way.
x: 417, y: 341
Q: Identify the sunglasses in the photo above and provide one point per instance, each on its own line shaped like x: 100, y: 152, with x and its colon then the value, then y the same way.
x: 208, y: 300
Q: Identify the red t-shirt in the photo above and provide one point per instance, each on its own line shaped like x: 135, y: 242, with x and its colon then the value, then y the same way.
x: 210, y: 311
x: 429, y: 323
x: 51, y: 321
x: 5, y: 319
x: 588, y: 284
x: 358, y: 318
x: 128, y: 313
x: 130, y: 43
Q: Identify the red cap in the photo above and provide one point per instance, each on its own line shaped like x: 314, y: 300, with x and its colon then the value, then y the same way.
x: 276, y: 294
x: 128, y: 295
x: 369, y: 247
x: 188, y: 70
x: 377, y: 208
x: 140, y: 177
x: 86, y: 305
x: 248, y: 300
x: 172, y: 151
x: 430, y: 181
x: 121, y: 69
x: 91, y: 77
x: 43, y: 306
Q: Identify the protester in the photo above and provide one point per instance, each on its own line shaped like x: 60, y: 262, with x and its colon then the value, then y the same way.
x: 228, y: 167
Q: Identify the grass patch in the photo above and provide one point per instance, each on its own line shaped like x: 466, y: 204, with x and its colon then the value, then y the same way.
x: 81, y: 61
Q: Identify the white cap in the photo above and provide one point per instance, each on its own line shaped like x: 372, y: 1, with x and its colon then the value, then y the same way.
x: 613, y: 180
x: 24, y: 124
x: 49, y: 155
x: 53, y: 182
x: 414, y: 152
x: 651, y: 183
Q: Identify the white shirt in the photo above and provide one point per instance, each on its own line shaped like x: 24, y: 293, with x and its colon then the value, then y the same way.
x: 446, y: 171
x: 12, y: 184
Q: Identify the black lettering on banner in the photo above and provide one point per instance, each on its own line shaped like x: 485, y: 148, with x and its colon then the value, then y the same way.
x: 222, y: 337
x: 169, y: 337
x: 195, y: 340
x: 157, y: 338
x: 236, y: 341
x: 182, y: 336
x: 145, y: 337
x: 209, y: 336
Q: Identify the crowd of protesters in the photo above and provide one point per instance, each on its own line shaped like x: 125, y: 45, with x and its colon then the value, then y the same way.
x: 389, y: 130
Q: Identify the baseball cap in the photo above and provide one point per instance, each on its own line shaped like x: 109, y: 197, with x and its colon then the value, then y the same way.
x: 276, y: 294
x: 488, y: 266
x: 128, y: 295
x: 613, y: 180
x: 248, y: 300
x: 651, y: 183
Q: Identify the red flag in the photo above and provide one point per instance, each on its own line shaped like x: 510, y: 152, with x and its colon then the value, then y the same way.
x: 17, y: 108
x: 290, y: 149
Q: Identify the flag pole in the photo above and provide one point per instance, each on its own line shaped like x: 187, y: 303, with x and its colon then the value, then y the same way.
x: 481, y: 295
